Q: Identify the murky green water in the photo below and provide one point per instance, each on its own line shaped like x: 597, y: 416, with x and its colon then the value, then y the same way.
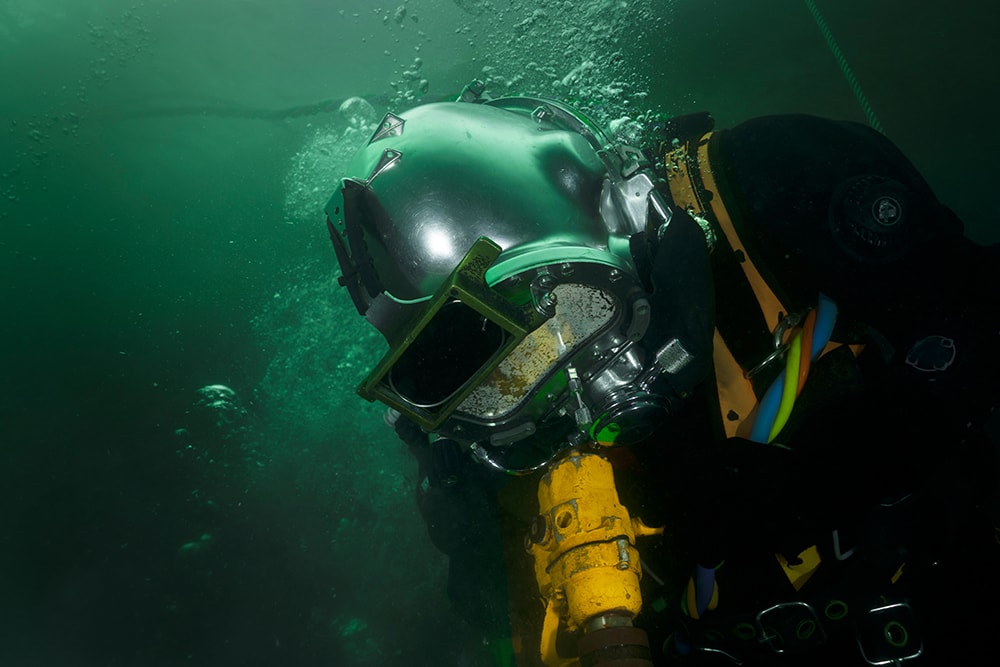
x: 163, y: 167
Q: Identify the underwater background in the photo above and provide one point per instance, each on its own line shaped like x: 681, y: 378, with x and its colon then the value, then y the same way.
x: 186, y: 474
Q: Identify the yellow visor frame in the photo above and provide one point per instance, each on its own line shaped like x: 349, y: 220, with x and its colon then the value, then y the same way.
x: 466, y: 293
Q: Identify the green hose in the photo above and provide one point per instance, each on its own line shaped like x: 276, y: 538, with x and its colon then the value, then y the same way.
x: 844, y: 67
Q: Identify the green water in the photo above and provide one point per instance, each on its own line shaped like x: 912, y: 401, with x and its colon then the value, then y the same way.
x: 163, y: 167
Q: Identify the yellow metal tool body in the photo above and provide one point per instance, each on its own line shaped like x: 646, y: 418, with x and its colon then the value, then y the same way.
x: 583, y: 543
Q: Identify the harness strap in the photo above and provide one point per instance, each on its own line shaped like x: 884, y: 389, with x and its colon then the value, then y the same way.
x: 693, y: 187
x: 771, y: 307
x: 735, y: 392
x: 744, y: 334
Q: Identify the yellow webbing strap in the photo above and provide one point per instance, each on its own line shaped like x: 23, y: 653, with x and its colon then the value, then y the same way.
x: 798, y: 575
x: 736, y: 395
x: 770, y: 305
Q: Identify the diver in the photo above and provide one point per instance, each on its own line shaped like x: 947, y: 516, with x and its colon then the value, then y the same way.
x: 724, y: 397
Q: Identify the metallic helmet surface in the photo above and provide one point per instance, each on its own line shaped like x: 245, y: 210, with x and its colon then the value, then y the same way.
x: 561, y: 202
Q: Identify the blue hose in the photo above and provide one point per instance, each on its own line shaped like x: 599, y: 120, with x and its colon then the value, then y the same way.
x: 767, y: 410
x: 826, y: 317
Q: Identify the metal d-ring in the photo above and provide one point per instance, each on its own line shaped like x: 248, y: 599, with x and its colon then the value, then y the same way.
x: 787, y: 322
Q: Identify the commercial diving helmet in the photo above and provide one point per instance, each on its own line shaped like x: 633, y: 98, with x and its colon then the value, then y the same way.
x: 494, y: 245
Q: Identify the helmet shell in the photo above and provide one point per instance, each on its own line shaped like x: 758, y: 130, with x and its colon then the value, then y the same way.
x: 434, y: 179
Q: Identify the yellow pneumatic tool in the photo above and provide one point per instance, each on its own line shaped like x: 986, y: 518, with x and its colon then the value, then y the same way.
x: 587, y: 565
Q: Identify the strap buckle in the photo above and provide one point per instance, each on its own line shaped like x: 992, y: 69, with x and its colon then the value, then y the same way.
x: 790, y: 626
x: 787, y: 323
x: 887, y: 635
